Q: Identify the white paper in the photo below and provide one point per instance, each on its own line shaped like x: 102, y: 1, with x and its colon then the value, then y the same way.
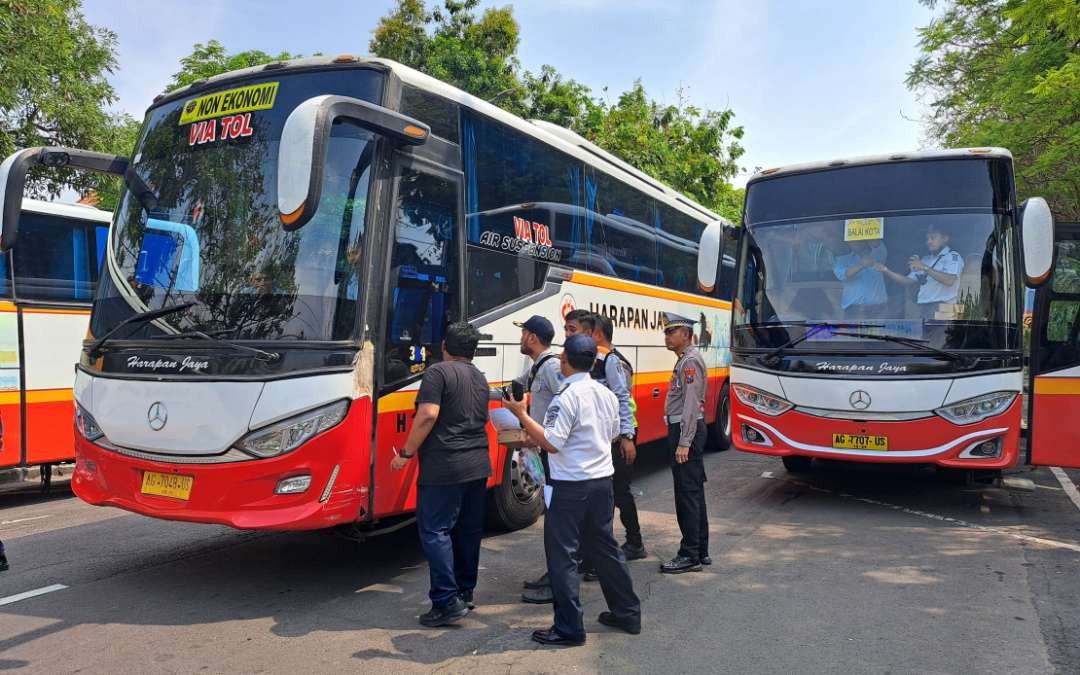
x: 547, y: 496
x: 502, y: 419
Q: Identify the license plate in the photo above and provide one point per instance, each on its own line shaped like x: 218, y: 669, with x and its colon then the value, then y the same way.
x: 167, y: 485
x: 860, y: 442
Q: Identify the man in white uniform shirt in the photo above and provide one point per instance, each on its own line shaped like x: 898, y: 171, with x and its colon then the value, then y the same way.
x: 937, y: 273
x: 580, y: 425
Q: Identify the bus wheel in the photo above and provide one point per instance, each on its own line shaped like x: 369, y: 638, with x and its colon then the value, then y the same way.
x: 516, y: 502
x: 797, y: 463
x: 720, y: 429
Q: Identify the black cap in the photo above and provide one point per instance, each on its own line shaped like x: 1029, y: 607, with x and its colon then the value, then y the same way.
x: 540, y: 327
x: 578, y: 346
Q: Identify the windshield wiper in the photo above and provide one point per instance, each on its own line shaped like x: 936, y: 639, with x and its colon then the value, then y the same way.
x: 911, y: 342
x: 772, y: 357
x: 268, y: 357
x: 93, y: 349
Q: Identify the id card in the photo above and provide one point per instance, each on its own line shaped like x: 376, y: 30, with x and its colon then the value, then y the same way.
x: 547, y: 496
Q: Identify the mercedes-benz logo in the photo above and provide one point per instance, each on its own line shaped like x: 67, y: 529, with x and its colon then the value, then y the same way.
x: 157, y: 416
x: 859, y: 399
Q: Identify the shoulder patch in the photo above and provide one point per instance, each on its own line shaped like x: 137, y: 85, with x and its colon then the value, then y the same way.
x: 690, y: 374
x: 551, y: 414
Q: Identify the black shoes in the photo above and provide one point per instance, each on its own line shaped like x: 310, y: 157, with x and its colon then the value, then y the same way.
x: 591, y: 575
x: 442, y: 616
x: 628, y: 625
x: 681, y: 564
x: 4, y: 563
x: 550, y: 637
x: 543, y: 582
x: 538, y: 596
x: 634, y: 552
x: 706, y: 560
x: 467, y: 598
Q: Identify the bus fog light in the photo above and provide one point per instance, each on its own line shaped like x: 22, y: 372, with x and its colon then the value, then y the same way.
x: 293, y: 485
x: 752, y: 435
x: 983, y: 449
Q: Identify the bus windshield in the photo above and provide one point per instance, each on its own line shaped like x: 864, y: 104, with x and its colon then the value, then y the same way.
x: 942, y: 277
x: 213, y: 236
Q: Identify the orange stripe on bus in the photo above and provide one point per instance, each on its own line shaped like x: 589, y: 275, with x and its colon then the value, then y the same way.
x: 37, y: 396
x: 586, y: 279
x: 405, y: 401
x: 1057, y: 386
x: 6, y: 306
x: 42, y: 310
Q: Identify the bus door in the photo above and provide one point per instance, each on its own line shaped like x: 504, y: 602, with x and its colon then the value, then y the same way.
x: 10, y: 372
x: 56, y: 266
x: 423, y: 296
x: 1055, y: 359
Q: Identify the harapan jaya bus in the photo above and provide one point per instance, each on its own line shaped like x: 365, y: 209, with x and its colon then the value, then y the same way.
x: 46, y: 285
x: 878, y: 315
x: 294, y: 239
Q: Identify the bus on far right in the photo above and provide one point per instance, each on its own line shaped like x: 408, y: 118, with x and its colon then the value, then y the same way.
x: 880, y: 312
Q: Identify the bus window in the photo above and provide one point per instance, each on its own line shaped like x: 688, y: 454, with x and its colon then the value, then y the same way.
x: 422, y: 273
x: 53, y: 259
x: 496, y: 278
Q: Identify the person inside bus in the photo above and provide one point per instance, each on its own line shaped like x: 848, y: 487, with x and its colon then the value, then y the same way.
x: 864, y: 295
x: 449, y: 434
x: 937, y: 273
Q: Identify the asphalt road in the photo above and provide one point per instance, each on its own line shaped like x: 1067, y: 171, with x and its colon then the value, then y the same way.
x: 846, y: 570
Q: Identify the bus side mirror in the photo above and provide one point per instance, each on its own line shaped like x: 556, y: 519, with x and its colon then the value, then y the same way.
x: 304, y: 139
x: 13, y: 179
x: 1037, y: 237
x: 710, y: 250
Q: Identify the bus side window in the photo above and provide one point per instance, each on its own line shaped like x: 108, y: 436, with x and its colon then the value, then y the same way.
x: 423, y: 273
x: 5, y: 275
x: 54, y: 259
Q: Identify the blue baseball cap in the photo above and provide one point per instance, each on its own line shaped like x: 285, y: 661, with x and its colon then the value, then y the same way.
x: 540, y: 327
x: 580, y: 345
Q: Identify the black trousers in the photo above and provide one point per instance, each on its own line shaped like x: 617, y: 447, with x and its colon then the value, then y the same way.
x: 582, y: 511
x: 624, y: 498
x: 689, y: 479
x: 451, y: 523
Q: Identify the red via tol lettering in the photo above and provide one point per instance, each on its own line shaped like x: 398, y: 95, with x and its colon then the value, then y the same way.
x: 232, y: 127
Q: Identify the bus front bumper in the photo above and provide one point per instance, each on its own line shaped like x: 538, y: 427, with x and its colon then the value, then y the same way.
x: 928, y: 440
x: 237, y: 494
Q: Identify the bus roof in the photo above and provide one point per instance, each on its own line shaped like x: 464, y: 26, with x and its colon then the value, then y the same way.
x: 80, y: 211
x: 919, y: 155
x: 551, y: 134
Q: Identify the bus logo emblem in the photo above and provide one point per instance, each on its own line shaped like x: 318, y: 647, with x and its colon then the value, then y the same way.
x: 859, y: 399
x: 157, y: 416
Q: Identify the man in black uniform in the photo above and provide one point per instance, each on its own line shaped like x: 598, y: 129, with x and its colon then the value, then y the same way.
x: 684, y: 412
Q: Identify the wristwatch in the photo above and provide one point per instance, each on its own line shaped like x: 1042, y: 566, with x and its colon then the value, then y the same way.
x: 403, y: 455
x: 628, y: 437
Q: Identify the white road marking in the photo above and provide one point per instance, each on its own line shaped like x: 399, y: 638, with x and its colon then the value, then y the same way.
x: 1067, y: 485
x: 766, y: 474
x: 32, y: 594
x: 945, y: 519
x: 22, y: 520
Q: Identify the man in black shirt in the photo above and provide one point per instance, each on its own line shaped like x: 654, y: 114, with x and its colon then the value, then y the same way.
x: 449, y: 435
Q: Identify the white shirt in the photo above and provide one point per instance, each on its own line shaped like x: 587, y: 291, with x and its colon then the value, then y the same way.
x: 948, y: 261
x: 581, y: 422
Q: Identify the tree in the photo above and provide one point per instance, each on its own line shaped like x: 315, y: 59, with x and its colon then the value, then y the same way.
x: 53, y: 86
x: 692, y: 150
x: 207, y: 60
x: 1007, y: 73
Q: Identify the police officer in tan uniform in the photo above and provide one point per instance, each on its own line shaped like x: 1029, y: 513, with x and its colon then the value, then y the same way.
x: 684, y: 413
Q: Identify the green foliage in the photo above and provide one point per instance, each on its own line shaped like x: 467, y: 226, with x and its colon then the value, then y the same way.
x: 207, y: 60
x: 1007, y: 73
x: 53, y: 87
x: 694, y: 151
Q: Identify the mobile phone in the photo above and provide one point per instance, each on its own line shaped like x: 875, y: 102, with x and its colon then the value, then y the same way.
x: 518, y: 389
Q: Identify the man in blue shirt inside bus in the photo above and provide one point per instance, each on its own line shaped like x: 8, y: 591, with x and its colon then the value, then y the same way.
x: 864, y: 294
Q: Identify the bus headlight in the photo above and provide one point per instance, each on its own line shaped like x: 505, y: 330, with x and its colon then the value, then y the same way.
x: 977, y: 409
x: 766, y: 404
x: 86, y: 424
x: 287, y: 435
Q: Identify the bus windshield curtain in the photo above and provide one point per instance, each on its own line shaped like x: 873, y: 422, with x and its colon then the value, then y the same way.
x: 80, y: 264
x: 573, y: 184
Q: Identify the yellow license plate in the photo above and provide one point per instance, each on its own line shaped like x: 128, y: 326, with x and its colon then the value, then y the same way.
x: 860, y: 442
x: 167, y: 485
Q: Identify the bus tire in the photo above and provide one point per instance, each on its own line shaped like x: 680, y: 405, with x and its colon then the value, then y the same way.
x: 797, y: 463
x: 720, y: 429
x: 515, y: 503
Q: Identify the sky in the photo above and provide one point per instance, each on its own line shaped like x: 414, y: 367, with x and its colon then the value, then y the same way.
x: 808, y: 80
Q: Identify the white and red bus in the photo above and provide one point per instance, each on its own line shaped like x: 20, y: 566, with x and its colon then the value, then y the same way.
x: 878, y: 317
x: 293, y: 241
x: 47, y: 283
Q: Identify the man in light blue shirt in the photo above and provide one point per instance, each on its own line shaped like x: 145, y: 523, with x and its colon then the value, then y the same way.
x: 864, y: 294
